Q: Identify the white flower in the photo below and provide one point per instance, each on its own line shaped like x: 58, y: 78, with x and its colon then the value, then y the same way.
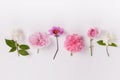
x: 17, y: 34
x: 109, y: 38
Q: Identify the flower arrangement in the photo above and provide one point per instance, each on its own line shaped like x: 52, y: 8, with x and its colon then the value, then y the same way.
x: 56, y: 32
x: 108, y: 41
x: 39, y: 40
x: 74, y: 43
x: 92, y: 34
x: 14, y: 44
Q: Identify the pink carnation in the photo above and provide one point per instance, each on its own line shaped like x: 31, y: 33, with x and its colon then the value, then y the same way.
x: 39, y: 39
x: 74, y: 43
x: 93, y: 32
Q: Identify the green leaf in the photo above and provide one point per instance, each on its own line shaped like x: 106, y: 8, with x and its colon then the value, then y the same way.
x: 100, y: 42
x: 113, y: 44
x: 13, y: 49
x: 24, y: 47
x: 23, y: 52
x: 10, y: 43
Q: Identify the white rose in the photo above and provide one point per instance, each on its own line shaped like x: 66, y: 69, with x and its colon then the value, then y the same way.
x: 17, y: 34
x: 109, y: 38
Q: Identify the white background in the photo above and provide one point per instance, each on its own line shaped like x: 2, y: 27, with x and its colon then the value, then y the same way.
x: 75, y: 16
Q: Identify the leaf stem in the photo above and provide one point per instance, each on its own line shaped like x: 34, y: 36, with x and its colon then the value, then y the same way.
x: 57, y: 48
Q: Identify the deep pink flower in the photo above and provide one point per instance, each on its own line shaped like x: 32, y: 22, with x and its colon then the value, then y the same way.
x: 39, y: 39
x: 74, y: 43
x: 56, y: 31
x: 93, y: 32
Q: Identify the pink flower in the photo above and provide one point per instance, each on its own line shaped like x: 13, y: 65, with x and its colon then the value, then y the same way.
x: 56, y: 31
x: 39, y: 39
x: 93, y: 32
x: 74, y: 43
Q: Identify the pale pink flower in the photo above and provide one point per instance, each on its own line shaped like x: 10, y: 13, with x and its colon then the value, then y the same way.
x: 74, y: 43
x: 93, y: 32
x: 39, y: 39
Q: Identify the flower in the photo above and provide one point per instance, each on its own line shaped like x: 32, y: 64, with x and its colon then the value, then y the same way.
x: 74, y: 43
x: 17, y: 34
x: 56, y: 31
x: 93, y: 32
x: 14, y: 43
x: 108, y: 41
x: 109, y: 38
x: 39, y: 39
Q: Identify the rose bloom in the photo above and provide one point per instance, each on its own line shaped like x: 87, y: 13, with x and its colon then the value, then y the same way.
x: 18, y: 34
x: 109, y: 38
x: 74, y: 43
x: 39, y: 39
x: 93, y: 32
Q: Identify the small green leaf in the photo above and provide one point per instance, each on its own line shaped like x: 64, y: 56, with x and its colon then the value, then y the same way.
x: 24, y: 47
x: 23, y: 52
x: 100, y: 42
x: 113, y: 44
x: 13, y: 49
x: 10, y: 43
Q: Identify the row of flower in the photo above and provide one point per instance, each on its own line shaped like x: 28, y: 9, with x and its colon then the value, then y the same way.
x: 73, y: 43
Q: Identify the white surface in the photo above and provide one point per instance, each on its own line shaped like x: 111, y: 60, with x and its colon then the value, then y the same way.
x: 75, y: 16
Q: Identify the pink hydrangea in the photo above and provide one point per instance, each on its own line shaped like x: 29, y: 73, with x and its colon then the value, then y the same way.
x: 39, y: 39
x: 93, y: 32
x: 74, y: 43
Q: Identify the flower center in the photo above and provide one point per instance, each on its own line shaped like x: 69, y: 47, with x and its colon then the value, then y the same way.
x: 56, y: 31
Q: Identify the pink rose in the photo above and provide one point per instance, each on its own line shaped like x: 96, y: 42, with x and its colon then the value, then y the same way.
x: 93, y: 32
